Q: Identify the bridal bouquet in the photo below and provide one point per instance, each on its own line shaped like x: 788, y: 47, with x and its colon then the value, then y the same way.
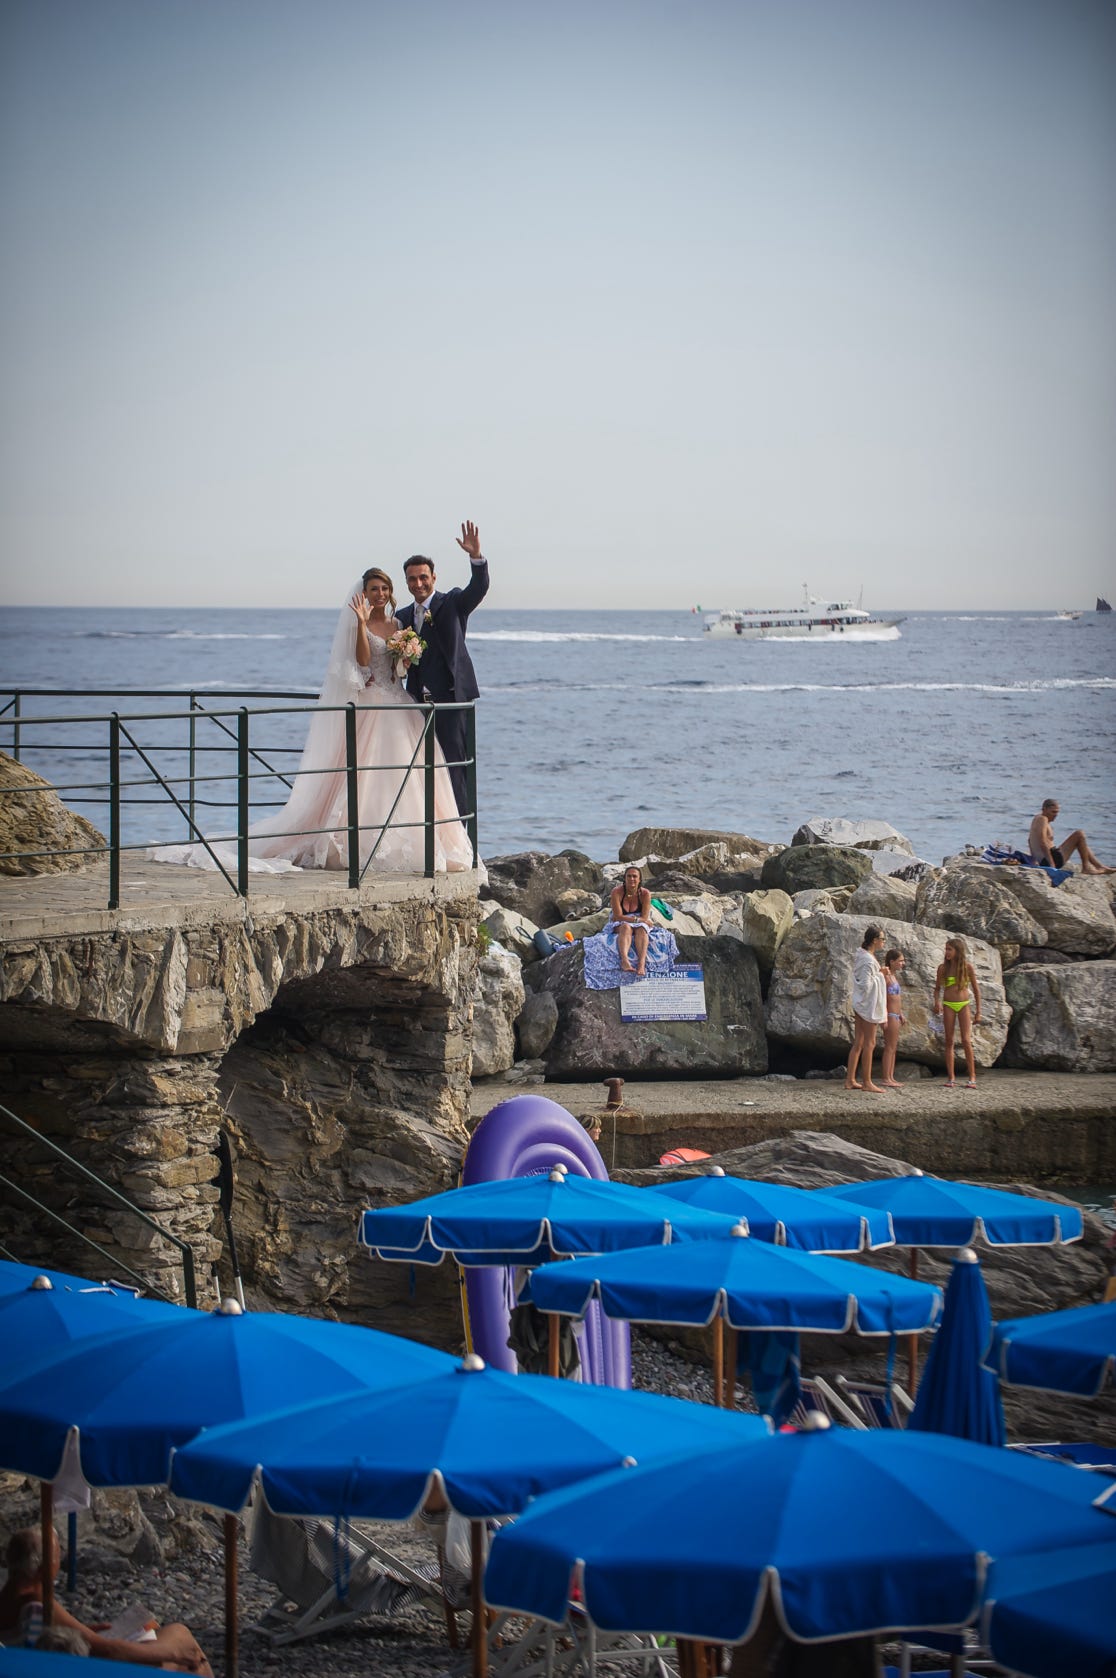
x: 405, y: 649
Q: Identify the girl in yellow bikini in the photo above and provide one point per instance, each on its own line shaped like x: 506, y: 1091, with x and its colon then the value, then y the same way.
x: 957, y: 993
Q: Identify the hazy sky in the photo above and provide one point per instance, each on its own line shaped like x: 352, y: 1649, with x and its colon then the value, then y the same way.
x: 687, y: 301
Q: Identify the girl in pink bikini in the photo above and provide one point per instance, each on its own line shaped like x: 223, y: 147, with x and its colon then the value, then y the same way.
x: 957, y: 992
x: 893, y: 964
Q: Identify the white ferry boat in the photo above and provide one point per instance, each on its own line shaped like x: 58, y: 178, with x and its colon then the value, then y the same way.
x: 814, y: 620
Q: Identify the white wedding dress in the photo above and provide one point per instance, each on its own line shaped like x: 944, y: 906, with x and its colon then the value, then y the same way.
x: 311, y: 830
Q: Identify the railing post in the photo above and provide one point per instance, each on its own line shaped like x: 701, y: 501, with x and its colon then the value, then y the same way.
x: 242, y: 801
x: 352, y: 803
x: 429, y: 831
x: 114, y: 811
x: 190, y: 805
x: 471, y: 777
x: 15, y: 726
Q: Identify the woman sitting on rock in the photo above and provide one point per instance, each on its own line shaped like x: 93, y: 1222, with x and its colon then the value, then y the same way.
x: 869, y: 1000
x: 631, y: 920
x: 957, y: 992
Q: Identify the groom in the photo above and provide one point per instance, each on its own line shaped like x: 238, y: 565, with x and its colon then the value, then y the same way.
x: 445, y: 670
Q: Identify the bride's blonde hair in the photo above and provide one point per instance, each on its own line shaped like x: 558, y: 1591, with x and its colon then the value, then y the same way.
x: 381, y: 577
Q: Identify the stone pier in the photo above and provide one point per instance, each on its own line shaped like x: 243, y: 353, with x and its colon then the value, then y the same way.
x: 327, y: 1030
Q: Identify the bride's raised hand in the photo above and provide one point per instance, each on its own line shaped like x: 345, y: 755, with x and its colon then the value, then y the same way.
x: 361, y: 605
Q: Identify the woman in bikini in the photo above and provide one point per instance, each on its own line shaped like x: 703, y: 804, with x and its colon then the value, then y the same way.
x: 631, y: 920
x: 893, y: 964
x: 957, y: 999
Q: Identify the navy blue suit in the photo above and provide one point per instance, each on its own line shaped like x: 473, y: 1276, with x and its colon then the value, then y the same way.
x: 445, y: 670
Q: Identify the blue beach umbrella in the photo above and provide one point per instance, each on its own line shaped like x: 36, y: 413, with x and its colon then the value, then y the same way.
x: 526, y: 1220
x: 1070, y: 1351
x: 773, y: 1292
x: 489, y: 1440
x: 131, y: 1395
x: 14, y: 1277
x: 933, y: 1212
x: 957, y: 1395
x: 42, y: 1317
x: 751, y: 1284
x: 1054, y: 1613
x: 790, y: 1217
x: 853, y: 1534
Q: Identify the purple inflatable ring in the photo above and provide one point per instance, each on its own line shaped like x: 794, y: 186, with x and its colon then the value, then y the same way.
x: 523, y: 1137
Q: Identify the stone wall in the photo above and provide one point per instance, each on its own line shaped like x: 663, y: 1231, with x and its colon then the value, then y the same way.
x: 333, y: 1044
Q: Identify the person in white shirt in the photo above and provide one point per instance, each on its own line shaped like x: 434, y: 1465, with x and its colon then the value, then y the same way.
x: 869, y: 1000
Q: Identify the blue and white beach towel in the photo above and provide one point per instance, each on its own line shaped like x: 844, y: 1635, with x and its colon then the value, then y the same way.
x: 602, y: 963
x: 1000, y: 854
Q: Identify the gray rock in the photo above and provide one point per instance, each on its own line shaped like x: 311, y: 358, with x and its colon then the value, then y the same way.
x: 833, y: 900
x: 593, y: 1042
x: 498, y: 1002
x: 514, y: 932
x: 883, y: 898
x: 706, y: 909
x: 570, y: 904
x: 865, y: 833
x: 530, y: 882
x: 679, y: 841
x: 809, y: 1005
x: 536, y: 1025
x: 969, y: 899
x: 34, y: 819
x: 1063, y: 1017
x: 807, y: 867
x: 764, y: 919
x: 888, y: 862
x: 1077, y: 915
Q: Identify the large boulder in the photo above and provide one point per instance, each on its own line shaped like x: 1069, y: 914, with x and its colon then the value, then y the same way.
x: 514, y: 932
x: 680, y: 841
x: 809, y: 1004
x: 1076, y: 916
x: 707, y: 909
x: 764, y: 919
x: 969, y: 899
x: 865, y: 833
x: 1063, y: 1017
x: 497, y: 1003
x: 33, y: 819
x: 591, y: 1040
x: 531, y: 882
x: 536, y: 1025
x: 832, y: 900
x: 810, y: 867
x: 883, y: 897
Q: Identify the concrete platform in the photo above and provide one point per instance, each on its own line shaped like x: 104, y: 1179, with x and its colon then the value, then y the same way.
x: 1039, y: 1127
x: 160, y: 894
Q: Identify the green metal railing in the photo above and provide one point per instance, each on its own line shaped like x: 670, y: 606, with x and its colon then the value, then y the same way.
x: 75, y: 1167
x: 133, y: 776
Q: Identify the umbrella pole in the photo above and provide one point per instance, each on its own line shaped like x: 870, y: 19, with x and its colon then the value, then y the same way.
x: 232, y: 1651
x: 912, y: 1339
x: 480, y: 1629
x: 46, y: 1516
x: 718, y: 1361
x: 730, y: 1371
x: 553, y: 1345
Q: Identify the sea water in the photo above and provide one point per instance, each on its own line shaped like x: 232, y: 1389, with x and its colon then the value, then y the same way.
x: 595, y: 723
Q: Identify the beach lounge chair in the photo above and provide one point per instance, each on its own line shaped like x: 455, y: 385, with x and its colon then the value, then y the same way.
x: 329, y: 1577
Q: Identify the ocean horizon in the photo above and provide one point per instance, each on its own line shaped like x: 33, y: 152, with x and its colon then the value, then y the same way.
x: 592, y: 724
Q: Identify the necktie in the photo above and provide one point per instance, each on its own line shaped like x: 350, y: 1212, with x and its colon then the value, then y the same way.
x: 420, y: 617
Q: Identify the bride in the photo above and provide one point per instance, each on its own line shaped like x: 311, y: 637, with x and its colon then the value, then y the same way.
x: 311, y: 830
